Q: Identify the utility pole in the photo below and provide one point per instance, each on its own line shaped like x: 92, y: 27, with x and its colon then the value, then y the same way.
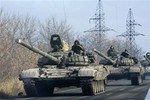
x: 130, y: 33
x: 99, y: 20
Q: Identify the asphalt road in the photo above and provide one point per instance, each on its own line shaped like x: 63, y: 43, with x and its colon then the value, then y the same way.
x: 115, y: 90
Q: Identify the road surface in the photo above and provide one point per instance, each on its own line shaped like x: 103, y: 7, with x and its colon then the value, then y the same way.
x: 115, y: 90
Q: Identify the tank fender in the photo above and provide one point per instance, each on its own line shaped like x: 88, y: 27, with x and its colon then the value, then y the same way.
x: 30, y: 73
x: 86, y: 72
x: 101, y: 73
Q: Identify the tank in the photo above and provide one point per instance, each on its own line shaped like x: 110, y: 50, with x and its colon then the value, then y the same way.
x: 147, y: 57
x: 146, y: 64
x: 59, y: 68
x: 123, y: 68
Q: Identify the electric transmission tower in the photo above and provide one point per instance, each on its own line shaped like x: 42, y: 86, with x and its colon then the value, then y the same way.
x: 130, y: 33
x: 99, y: 20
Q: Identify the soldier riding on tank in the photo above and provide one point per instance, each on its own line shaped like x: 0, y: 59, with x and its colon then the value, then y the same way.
x: 78, y: 48
x: 112, y: 52
x: 125, y: 54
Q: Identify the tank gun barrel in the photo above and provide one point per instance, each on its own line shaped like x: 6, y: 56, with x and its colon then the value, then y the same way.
x: 36, y: 50
x: 102, y: 55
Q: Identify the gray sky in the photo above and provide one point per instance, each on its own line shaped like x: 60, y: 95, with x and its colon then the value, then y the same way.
x: 78, y: 12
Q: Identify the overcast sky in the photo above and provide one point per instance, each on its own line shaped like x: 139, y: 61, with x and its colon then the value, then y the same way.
x: 78, y: 12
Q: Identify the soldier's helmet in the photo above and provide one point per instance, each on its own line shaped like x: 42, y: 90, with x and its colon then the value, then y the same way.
x: 111, y: 47
x: 126, y: 50
x: 76, y: 42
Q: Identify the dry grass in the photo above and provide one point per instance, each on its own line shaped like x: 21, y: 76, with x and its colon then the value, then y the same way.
x: 10, y: 88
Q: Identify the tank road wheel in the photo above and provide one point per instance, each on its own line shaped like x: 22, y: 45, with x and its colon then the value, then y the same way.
x: 93, y: 87
x: 136, y: 80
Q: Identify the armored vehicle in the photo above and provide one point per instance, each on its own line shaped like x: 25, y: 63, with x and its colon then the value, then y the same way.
x: 123, y: 68
x: 147, y: 57
x: 146, y: 64
x: 59, y: 68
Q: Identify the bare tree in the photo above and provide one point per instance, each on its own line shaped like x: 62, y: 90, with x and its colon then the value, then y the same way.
x: 12, y: 56
x: 90, y: 40
x: 51, y: 26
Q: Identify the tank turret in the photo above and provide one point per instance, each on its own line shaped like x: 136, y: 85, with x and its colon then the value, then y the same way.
x: 105, y: 57
x: 117, y: 61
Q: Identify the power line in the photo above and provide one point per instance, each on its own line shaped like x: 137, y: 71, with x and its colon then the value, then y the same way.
x: 130, y: 33
x: 99, y: 20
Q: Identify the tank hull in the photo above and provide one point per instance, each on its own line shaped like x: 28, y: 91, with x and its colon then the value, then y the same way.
x: 85, y: 77
x: 134, y: 73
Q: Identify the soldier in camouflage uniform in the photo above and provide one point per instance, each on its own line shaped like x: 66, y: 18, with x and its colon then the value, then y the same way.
x: 112, y: 52
x: 78, y: 48
x: 125, y: 54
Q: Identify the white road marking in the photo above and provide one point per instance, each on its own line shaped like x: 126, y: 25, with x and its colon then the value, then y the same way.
x: 108, y: 94
x: 122, y: 89
x: 30, y: 98
x: 138, y: 88
x: 148, y: 95
x: 68, y: 90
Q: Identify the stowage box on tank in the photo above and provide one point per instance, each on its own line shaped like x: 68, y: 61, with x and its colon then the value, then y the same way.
x: 61, y: 68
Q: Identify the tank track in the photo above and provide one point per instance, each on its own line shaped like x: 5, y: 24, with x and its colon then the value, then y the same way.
x: 136, y: 80
x: 35, y: 89
x: 92, y: 87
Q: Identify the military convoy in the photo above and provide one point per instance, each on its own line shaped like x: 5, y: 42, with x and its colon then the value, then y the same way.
x: 123, y: 68
x: 62, y: 68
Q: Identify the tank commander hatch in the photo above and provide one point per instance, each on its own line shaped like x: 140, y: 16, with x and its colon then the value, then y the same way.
x: 56, y: 43
x: 78, y: 48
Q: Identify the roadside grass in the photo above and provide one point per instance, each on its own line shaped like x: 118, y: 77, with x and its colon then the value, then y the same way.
x: 10, y: 88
